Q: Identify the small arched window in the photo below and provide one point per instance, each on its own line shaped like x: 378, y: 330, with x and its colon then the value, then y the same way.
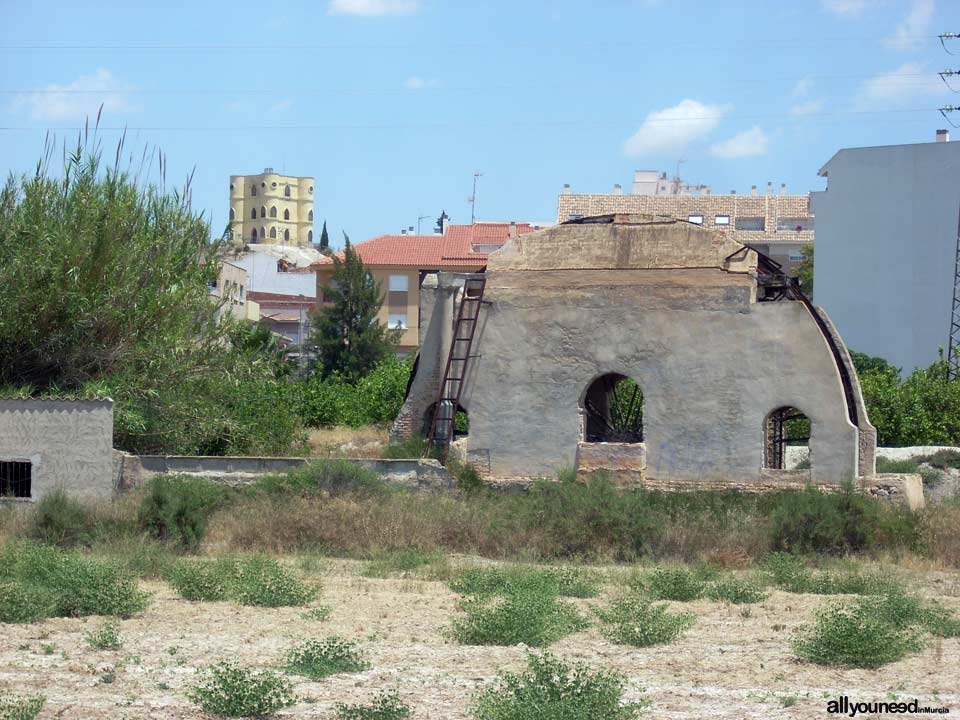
x: 309, y: 236
x: 253, y: 235
x: 233, y: 215
x: 286, y: 236
x: 253, y: 190
x: 613, y: 410
x: 286, y: 191
x: 273, y: 212
x: 785, y: 427
x: 263, y: 233
x: 286, y: 214
x: 273, y: 232
x: 253, y: 213
x: 263, y: 211
x: 310, y: 216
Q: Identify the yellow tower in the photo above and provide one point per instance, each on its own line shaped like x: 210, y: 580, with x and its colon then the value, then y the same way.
x: 272, y: 209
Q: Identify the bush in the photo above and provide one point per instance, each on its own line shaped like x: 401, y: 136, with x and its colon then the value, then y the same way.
x: 862, y: 635
x: 634, y: 620
x: 566, y: 582
x: 235, y: 691
x: 106, y: 637
x: 61, y: 520
x: 176, y: 508
x: 551, y: 689
x: 317, y: 659
x: 789, y: 573
x: 387, y: 706
x: 21, y: 708
x: 467, y: 477
x: 677, y: 583
x: 25, y: 603
x: 334, y: 477
x: 404, y: 560
x: 257, y: 580
x: 733, y: 590
x: 533, y: 618
x: 416, y: 447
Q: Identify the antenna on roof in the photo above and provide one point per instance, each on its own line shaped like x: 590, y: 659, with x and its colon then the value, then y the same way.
x: 473, y: 198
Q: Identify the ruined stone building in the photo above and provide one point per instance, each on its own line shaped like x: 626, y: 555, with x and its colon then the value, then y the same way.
x: 659, y: 349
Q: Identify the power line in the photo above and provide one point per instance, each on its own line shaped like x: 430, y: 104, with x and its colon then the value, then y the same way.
x: 948, y: 36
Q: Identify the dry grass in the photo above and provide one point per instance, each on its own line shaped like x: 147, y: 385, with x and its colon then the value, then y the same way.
x: 940, y: 533
x: 341, y: 441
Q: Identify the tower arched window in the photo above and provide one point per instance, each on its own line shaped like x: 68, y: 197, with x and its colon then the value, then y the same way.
x: 253, y: 190
x: 263, y: 211
x: 286, y: 236
x: 286, y: 214
x: 253, y: 235
x: 286, y: 191
x: 273, y: 212
x: 310, y: 216
x: 263, y: 233
x: 273, y: 232
x: 309, y: 236
x: 233, y: 215
x: 253, y: 213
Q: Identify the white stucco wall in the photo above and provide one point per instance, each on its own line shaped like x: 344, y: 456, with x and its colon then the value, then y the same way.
x: 263, y: 276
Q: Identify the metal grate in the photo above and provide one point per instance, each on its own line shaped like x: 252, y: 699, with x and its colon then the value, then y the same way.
x: 15, y: 478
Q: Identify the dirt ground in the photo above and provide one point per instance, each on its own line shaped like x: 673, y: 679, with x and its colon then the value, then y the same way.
x: 734, y: 663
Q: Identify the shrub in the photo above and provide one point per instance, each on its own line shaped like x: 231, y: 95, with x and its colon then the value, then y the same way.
x: 317, y: 659
x: 857, y: 635
x: 334, y: 477
x: 21, y: 708
x: 200, y: 580
x: 106, y: 637
x: 789, y: 573
x: 176, y: 508
x: 387, y: 706
x: 403, y: 560
x: 234, y: 691
x: 467, y: 476
x: 61, y: 520
x: 635, y: 620
x: 564, y: 581
x: 552, y: 689
x: 530, y: 617
x: 257, y: 580
x: 414, y: 447
x: 25, y: 603
x: 738, y: 592
x: 677, y: 583
x: 318, y: 613
x: 943, y: 459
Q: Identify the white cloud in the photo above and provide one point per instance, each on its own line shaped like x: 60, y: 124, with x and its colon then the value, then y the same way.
x: 802, y: 88
x: 846, y: 8
x: 908, y: 82
x: 917, y: 23
x: 748, y: 143
x: 808, y: 107
x: 281, y: 105
x: 372, y: 8
x: 674, y: 128
x: 77, y: 100
x: 415, y: 82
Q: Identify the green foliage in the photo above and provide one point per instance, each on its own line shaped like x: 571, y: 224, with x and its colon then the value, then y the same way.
x: 347, y: 337
x: 175, y: 509
x: 324, y: 237
x: 789, y: 573
x: 404, y: 560
x: 552, y: 690
x: 321, y: 613
x: 333, y: 477
x: 25, y: 603
x: 233, y: 691
x: 467, y: 477
x: 21, y: 708
x: 415, y: 447
x: 256, y: 580
x: 860, y: 634
x: 804, y: 270
x: 106, y: 637
x: 675, y: 583
x: 635, y: 620
x: 526, y: 616
x: 104, y: 283
x: 733, y: 590
x: 387, y: 706
x: 563, y: 581
x: 79, y: 585
x: 317, y: 659
x: 61, y: 520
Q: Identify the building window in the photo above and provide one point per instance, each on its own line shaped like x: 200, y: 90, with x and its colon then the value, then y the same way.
x: 253, y: 190
x: 573, y: 217
x: 397, y: 320
x: 273, y: 232
x: 796, y: 224
x: 263, y: 211
x: 231, y: 186
x: 753, y: 224
x: 286, y: 191
x: 795, y: 256
x: 286, y: 214
x: 253, y: 235
x: 310, y: 216
x: 695, y: 219
x: 273, y: 212
x: 233, y: 215
x: 783, y: 428
x: 721, y: 220
x: 16, y: 477
x: 273, y: 184
x: 286, y: 236
x: 311, y: 188
x: 309, y: 236
x: 253, y: 213
x: 398, y: 283
x: 263, y: 233
x: 613, y: 410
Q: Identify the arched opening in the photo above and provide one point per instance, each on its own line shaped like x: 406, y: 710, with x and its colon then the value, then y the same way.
x: 263, y: 211
x: 253, y: 190
x: 233, y: 215
x: 784, y: 427
x: 613, y: 410
x: 286, y: 191
x: 253, y: 213
x: 461, y: 421
x: 286, y: 236
x: 263, y: 233
x: 273, y: 232
x: 273, y: 211
x: 310, y: 216
x: 309, y: 236
x: 253, y: 235
x: 286, y: 214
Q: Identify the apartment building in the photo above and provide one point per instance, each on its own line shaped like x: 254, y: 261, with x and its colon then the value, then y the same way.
x: 775, y: 223
x: 400, y: 262
x: 271, y: 208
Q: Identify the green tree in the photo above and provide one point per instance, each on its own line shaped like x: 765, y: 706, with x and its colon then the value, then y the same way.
x: 347, y: 338
x: 324, y: 237
x: 804, y: 270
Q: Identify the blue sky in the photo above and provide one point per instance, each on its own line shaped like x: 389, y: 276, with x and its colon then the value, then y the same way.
x: 393, y: 104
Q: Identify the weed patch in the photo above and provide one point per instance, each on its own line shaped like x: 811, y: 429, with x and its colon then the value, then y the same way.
x: 635, y: 620
x: 256, y: 580
x: 106, y: 637
x: 533, y: 618
x: 21, y: 708
x: 317, y: 659
x: 330, y: 477
x: 205, y: 580
x: 676, y: 583
x: 176, y: 508
x: 25, y: 603
x: 789, y: 573
x: 387, y: 706
x: 403, y: 560
x: 738, y: 592
x: 563, y: 581
x: 234, y: 691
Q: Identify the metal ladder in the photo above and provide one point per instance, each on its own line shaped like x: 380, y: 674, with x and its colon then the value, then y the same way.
x: 448, y: 400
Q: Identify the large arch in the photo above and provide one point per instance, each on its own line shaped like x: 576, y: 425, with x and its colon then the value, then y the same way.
x: 612, y: 408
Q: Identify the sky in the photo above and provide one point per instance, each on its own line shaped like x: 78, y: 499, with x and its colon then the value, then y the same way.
x: 393, y: 105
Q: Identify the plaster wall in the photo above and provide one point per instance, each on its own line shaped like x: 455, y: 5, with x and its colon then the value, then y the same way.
x: 69, y: 444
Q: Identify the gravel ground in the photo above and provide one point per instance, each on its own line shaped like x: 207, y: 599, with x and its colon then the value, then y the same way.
x: 734, y: 663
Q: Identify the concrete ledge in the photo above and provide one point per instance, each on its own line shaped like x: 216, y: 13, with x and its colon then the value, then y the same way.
x: 235, y: 470
x: 899, y: 488
x: 626, y: 462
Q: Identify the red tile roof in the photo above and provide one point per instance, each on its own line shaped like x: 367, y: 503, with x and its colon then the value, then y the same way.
x: 454, y: 249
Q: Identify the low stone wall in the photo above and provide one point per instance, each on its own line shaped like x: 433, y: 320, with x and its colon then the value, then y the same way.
x: 898, y: 488
x: 234, y: 470
x: 795, y: 455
